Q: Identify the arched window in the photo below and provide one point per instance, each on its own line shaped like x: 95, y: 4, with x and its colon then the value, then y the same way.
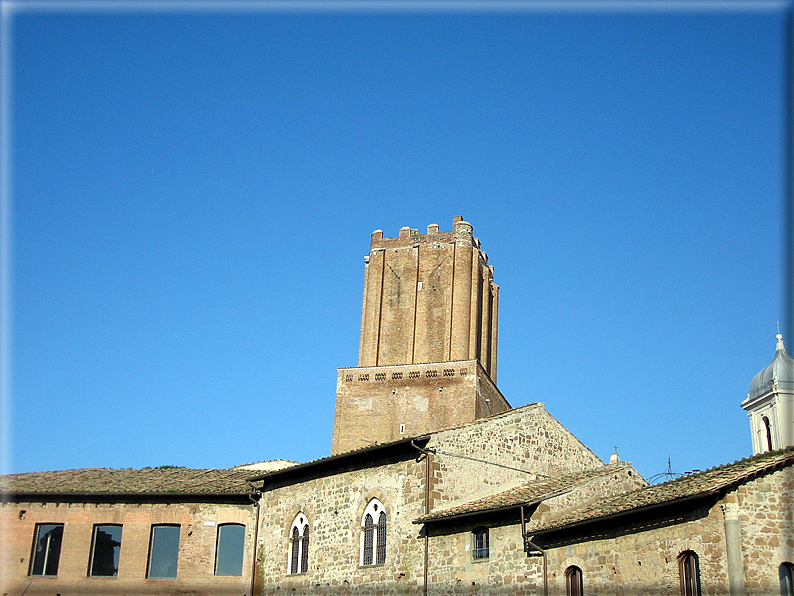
x: 768, y: 428
x: 786, y: 579
x: 299, y: 545
x: 373, y: 534
x: 573, y: 581
x: 689, y: 573
x: 481, y: 544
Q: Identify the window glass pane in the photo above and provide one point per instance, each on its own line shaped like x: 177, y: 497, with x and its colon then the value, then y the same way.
x: 163, y: 551
x: 46, y: 549
x: 369, y: 535
x: 296, y: 549
x: 105, y: 551
x: 481, y: 543
x: 787, y: 579
x: 229, y: 556
x: 305, y: 550
x: 380, y: 558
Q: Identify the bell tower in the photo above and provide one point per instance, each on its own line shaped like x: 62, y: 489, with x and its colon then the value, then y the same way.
x: 427, y: 354
x: 770, y: 403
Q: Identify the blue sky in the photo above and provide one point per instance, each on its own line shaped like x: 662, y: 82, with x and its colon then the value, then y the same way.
x: 193, y: 192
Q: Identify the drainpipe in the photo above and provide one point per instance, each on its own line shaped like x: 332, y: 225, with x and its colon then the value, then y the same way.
x: 426, y: 453
x: 254, y: 497
x: 528, y: 542
x: 733, y: 548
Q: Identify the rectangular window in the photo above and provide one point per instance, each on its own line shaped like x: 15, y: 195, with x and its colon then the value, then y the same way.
x: 229, y: 549
x: 481, y: 546
x: 105, y: 551
x: 163, y: 551
x: 46, y: 549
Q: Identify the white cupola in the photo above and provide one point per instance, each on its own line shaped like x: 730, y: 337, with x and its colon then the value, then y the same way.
x: 770, y: 403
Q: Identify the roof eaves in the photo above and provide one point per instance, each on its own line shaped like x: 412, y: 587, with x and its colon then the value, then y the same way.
x: 348, y: 457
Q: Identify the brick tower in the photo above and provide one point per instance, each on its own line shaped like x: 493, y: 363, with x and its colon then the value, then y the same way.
x: 427, y: 356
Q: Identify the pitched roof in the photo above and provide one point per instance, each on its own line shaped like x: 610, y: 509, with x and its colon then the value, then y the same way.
x: 709, y: 482
x: 532, y: 492
x: 128, y: 481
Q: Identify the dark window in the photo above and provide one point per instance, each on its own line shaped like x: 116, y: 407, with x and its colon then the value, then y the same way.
x: 381, y: 553
x: 296, y: 550
x: 481, y: 547
x: 786, y: 579
x: 229, y: 549
x: 46, y: 549
x: 689, y: 572
x: 369, y: 539
x: 573, y: 581
x: 105, y: 551
x: 163, y: 551
x: 305, y: 550
x: 768, y: 433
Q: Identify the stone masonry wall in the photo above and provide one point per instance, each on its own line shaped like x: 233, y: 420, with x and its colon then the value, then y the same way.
x: 636, y: 559
x: 767, y: 528
x: 197, y: 540
x: 334, y: 506
x: 527, y: 438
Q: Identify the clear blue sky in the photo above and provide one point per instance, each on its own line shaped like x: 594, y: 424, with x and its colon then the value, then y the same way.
x: 193, y: 193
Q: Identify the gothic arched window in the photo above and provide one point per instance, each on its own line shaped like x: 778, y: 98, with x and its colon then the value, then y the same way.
x: 689, y: 572
x: 373, y: 534
x: 573, y: 581
x: 299, y: 545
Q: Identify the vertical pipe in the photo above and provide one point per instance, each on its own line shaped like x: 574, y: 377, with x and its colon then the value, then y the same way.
x: 427, y: 510
x: 255, y: 503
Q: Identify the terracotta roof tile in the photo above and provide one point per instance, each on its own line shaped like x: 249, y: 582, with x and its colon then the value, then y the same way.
x: 531, y: 492
x: 129, y: 481
x: 704, y: 483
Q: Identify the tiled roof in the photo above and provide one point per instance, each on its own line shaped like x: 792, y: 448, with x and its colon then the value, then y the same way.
x: 531, y: 492
x: 710, y: 482
x: 128, y: 481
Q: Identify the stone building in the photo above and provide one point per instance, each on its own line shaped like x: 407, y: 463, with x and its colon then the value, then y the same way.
x: 434, y: 485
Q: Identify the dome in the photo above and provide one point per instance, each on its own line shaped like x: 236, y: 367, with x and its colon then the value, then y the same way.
x: 781, y: 368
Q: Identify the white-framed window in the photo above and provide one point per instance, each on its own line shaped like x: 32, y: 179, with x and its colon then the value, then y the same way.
x: 373, y: 534
x: 299, y: 545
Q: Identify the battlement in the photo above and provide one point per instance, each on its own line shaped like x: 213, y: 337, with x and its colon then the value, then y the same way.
x: 462, y: 233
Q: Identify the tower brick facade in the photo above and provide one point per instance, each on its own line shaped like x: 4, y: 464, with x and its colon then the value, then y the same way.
x: 427, y: 355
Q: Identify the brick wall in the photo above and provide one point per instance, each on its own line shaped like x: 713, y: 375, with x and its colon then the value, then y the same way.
x: 373, y: 405
x: 197, y: 539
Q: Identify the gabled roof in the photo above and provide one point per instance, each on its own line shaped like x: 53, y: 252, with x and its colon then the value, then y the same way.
x: 146, y: 481
x: 702, y: 484
x: 526, y: 494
